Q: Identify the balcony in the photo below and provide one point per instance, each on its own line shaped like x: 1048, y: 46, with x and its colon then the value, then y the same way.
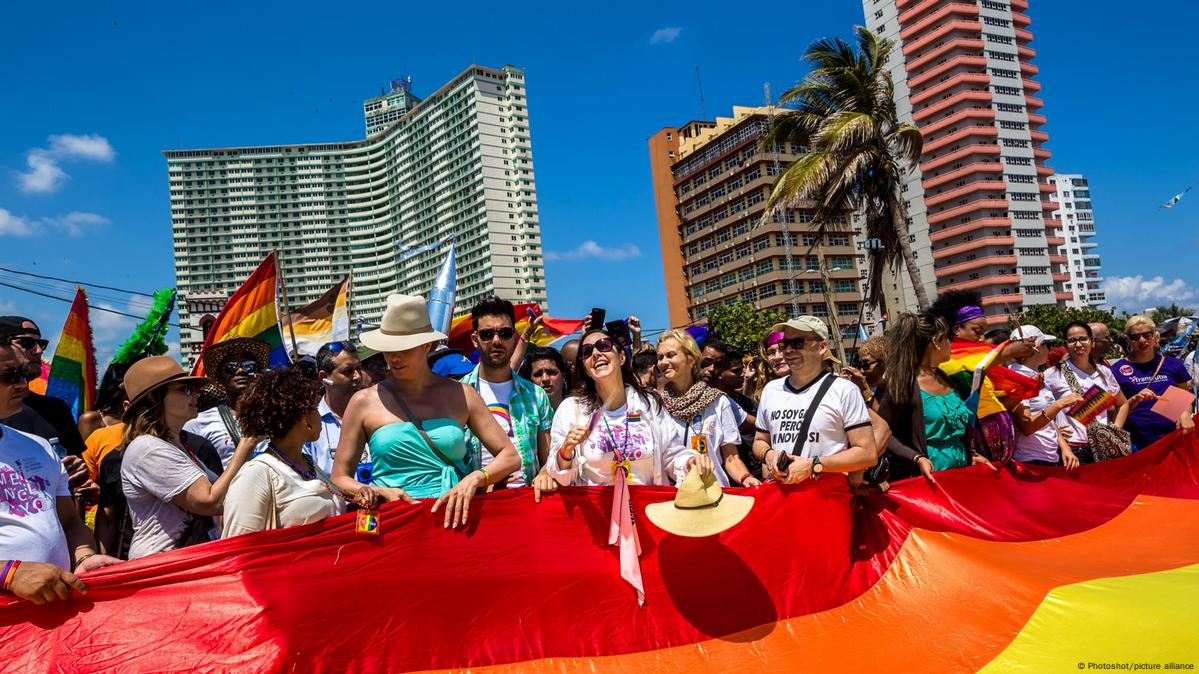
x: 932, y: 128
x: 953, y: 9
x: 967, y: 45
x: 967, y: 227
x: 957, y: 99
x: 968, y: 28
x: 970, y: 207
x: 969, y: 246
x: 958, y: 192
x: 952, y: 157
x: 960, y: 135
x: 970, y: 265
x: 982, y: 282
x: 956, y: 174
x: 969, y: 62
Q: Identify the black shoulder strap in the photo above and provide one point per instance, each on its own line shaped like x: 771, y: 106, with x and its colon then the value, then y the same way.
x: 811, y: 412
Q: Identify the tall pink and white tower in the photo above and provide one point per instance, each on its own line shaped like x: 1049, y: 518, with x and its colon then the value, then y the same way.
x: 980, y: 206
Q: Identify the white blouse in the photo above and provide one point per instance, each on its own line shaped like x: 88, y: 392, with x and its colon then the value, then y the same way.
x: 269, y: 494
x: 640, y: 434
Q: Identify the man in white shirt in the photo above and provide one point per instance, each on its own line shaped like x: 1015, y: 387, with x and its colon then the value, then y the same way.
x: 231, y: 364
x: 521, y: 407
x: 342, y: 375
x: 838, y: 436
x: 41, y: 535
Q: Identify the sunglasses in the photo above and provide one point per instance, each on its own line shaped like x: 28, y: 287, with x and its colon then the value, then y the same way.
x: 604, y: 345
x: 250, y: 366
x: 189, y: 388
x: 1077, y: 340
x: 337, y: 347
x: 867, y: 364
x: 488, y: 334
x: 797, y: 343
x: 1138, y: 336
x: 15, y: 375
x: 30, y: 342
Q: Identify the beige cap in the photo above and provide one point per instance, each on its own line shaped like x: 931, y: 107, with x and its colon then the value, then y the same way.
x: 804, y: 324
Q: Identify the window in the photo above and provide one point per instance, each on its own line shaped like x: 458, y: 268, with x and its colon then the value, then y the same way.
x: 1018, y: 161
x: 765, y: 267
x: 1014, y: 142
x: 1008, y: 91
x: 999, y: 39
x: 728, y: 280
x: 993, y: 21
x: 1026, y: 215
x: 1001, y: 56
x: 1008, y: 124
x: 1008, y: 107
x: 844, y: 286
x: 1017, y: 178
x: 847, y: 308
x: 838, y: 239
x: 1000, y: 72
x: 842, y: 261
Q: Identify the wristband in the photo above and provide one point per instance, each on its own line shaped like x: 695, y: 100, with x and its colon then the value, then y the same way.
x: 562, y: 453
x: 524, y: 337
x: 83, y: 558
x: 745, y: 477
x: 486, y: 477
x: 10, y: 571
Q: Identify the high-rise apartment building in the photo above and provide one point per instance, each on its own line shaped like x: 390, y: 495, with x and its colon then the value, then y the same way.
x: 711, y: 180
x: 457, y: 165
x: 1078, y: 221
x: 980, y: 207
x: 389, y: 106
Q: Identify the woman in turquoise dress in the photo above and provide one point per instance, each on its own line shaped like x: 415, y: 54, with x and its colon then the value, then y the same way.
x: 410, y: 461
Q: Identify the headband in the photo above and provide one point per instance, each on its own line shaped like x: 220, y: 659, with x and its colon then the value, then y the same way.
x: 773, y: 338
x: 966, y: 314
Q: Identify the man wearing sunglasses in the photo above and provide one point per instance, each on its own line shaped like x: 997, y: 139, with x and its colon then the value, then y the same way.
x: 45, y: 417
x: 521, y: 407
x: 231, y: 365
x: 837, y: 437
x: 43, y: 536
x: 342, y: 376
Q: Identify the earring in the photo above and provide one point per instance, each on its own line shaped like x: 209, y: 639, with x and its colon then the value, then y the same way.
x: 307, y: 425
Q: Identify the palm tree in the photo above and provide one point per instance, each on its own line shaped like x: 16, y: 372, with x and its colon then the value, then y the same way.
x: 858, y: 151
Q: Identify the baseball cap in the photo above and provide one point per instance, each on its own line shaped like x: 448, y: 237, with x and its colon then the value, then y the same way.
x: 1032, y: 332
x: 15, y: 325
x: 450, y: 363
x: 804, y: 324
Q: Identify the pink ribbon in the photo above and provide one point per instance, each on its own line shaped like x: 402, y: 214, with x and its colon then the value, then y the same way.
x: 622, y: 531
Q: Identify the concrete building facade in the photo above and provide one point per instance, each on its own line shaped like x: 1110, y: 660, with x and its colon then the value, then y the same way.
x: 1080, y: 247
x: 711, y: 180
x: 456, y: 165
x: 980, y: 207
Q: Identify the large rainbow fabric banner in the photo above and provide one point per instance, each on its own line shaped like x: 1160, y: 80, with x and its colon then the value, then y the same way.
x: 551, y: 328
x: 1026, y: 568
x: 252, y: 311
x: 972, y: 372
x: 72, y: 375
x: 326, y: 319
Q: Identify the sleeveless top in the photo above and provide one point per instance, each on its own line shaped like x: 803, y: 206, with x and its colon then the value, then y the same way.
x: 401, y: 458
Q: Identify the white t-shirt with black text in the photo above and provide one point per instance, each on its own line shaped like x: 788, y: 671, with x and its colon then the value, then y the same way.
x: 31, y: 480
x: 782, y: 409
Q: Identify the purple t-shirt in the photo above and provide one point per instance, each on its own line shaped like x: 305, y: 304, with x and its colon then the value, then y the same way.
x: 1145, y: 425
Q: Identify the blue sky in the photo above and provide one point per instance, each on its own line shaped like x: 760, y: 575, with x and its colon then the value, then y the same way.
x: 94, y: 92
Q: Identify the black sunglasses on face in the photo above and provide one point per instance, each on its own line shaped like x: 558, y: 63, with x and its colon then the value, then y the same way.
x: 30, y: 342
x: 1138, y: 336
x: 250, y: 366
x: 189, y: 388
x: 15, y: 375
x: 796, y: 343
x: 867, y: 364
x: 488, y: 334
x: 602, y: 345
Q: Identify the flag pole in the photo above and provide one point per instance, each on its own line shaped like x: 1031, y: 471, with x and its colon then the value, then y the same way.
x: 295, y: 350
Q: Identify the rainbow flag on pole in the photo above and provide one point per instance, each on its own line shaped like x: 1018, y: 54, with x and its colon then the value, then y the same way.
x: 325, y: 320
x: 252, y: 311
x: 72, y: 374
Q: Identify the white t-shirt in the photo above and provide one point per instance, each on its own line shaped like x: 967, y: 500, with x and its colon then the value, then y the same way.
x: 497, y: 396
x: 1192, y: 367
x: 1041, y: 445
x: 782, y: 409
x: 643, y: 432
x: 717, y: 426
x: 153, y: 472
x: 1056, y: 383
x: 31, y: 479
x: 209, y: 425
x: 266, y: 484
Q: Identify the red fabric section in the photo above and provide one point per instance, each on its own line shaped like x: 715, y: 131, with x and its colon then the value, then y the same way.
x: 526, y: 581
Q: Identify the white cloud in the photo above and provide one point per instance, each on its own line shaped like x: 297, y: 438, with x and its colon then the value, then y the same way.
x: 665, y: 35
x: 45, y: 175
x: 590, y: 249
x: 15, y: 225
x: 1135, y: 293
x: 76, y: 223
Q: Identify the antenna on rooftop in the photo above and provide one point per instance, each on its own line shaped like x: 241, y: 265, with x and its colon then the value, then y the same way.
x: 703, y: 113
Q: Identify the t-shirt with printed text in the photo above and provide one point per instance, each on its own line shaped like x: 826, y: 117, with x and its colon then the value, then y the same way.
x: 782, y: 410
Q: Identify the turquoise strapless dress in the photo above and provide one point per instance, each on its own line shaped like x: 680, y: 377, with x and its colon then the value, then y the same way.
x: 401, y: 458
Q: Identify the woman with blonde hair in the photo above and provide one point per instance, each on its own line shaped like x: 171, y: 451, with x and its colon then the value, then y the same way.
x: 1149, y: 374
x: 771, y: 365
x: 703, y: 414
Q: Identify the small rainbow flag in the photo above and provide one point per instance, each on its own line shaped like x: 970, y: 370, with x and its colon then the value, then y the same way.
x: 551, y: 328
x: 253, y: 312
x: 72, y: 374
x: 634, y: 417
x: 326, y: 319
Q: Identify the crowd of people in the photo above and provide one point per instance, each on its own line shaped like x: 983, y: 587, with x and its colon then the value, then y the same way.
x: 168, y: 459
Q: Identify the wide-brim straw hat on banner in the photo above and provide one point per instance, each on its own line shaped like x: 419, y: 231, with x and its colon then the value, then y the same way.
x: 405, y: 325
x: 150, y: 374
x: 700, y: 508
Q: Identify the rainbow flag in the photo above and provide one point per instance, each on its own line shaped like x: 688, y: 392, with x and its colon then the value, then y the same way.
x: 980, y: 382
x: 326, y: 319
x: 73, y: 371
x: 551, y: 328
x: 252, y: 311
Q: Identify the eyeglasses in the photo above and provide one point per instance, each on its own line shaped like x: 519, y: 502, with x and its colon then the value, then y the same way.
x: 15, y: 375
x: 796, y: 343
x: 250, y: 366
x: 1077, y: 340
x: 602, y: 345
x: 187, y: 388
x: 1138, y: 336
x: 30, y: 342
x: 488, y: 334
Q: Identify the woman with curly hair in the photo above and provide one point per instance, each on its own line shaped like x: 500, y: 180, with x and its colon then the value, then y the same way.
x: 282, y: 486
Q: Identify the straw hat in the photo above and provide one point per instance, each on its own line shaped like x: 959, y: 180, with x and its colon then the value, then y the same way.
x: 700, y: 508
x: 149, y: 374
x: 215, y: 354
x: 405, y: 325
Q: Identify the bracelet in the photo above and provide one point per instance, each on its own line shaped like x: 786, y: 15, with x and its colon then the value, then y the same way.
x: 83, y: 559
x: 486, y: 477
x: 562, y: 453
x: 745, y: 477
x: 524, y: 337
x: 10, y: 571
